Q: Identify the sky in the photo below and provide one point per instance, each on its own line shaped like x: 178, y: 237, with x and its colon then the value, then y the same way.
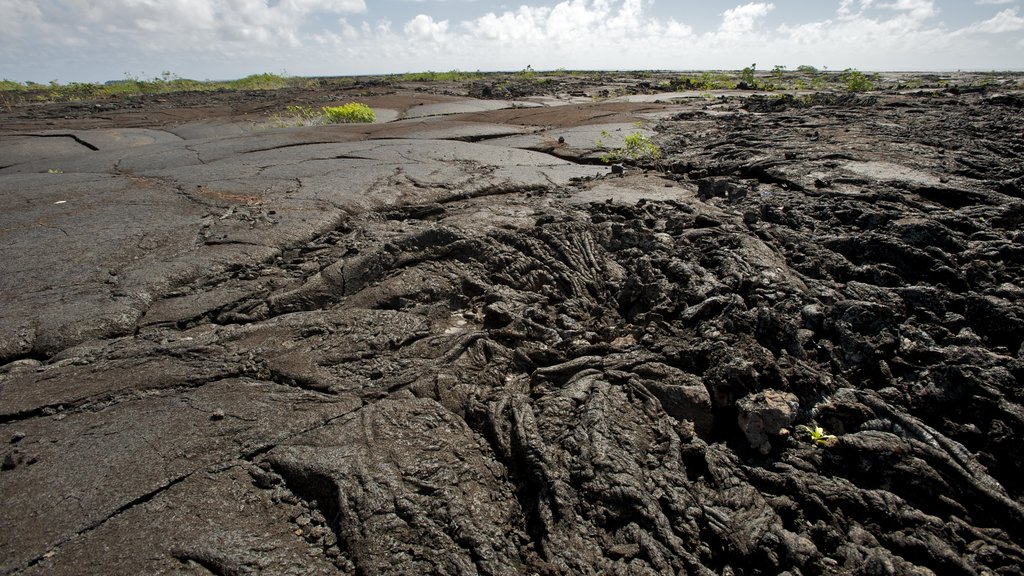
x: 98, y: 40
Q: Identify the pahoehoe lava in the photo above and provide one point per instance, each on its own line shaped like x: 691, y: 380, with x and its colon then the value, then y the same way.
x: 455, y: 344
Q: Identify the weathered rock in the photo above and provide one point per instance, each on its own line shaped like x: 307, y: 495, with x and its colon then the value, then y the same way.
x: 765, y: 416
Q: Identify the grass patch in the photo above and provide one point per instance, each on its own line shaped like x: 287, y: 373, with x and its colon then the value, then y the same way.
x: 635, y: 147
x: 347, y: 113
x: 301, y: 115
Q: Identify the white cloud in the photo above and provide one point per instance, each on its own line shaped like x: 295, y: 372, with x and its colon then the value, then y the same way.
x: 596, y: 23
x: 521, y: 26
x: 153, y: 23
x: 916, y: 9
x: 229, y: 38
x: 423, y: 27
x: 1008, y: 20
x: 741, y: 19
x: 332, y: 6
x: 995, y: 2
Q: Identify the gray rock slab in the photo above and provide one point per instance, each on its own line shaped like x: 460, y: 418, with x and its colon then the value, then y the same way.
x: 66, y: 246
x: 385, y: 115
x: 632, y: 188
x: 578, y: 141
x: 210, y: 520
x: 151, y: 217
x: 98, y: 462
x: 100, y: 371
x: 448, y: 129
x: 17, y: 149
x: 461, y: 107
x: 121, y: 138
x: 211, y: 128
x: 56, y: 144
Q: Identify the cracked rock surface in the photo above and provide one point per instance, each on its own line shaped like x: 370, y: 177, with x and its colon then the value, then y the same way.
x: 456, y: 343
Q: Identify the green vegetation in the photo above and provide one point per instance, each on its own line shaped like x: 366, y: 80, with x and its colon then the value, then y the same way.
x: 817, y: 435
x: 9, y: 85
x: 301, y: 115
x: 452, y: 76
x: 54, y: 171
x: 165, y: 83
x: 706, y: 81
x: 777, y: 79
x: 351, y: 112
x: 297, y: 115
x: 305, y: 113
x: 856, y: 81
x: 804, y: 77
x: 635, y: 147
x: 747, y: 76
x: 259, y: 82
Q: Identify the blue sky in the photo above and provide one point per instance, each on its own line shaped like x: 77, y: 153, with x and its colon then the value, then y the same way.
x: 95, y: 40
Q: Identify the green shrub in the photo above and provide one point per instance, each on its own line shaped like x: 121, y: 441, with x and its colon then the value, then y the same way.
x: 747, y: 76
x: 259, y: 82
x: 10, y: 86
x: 856, y: 81
x: 351, y: 112
x: 706, y: 81
x: 635, y: 147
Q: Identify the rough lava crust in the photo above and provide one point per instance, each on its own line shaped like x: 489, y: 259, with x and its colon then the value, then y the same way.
x: 457, y: 343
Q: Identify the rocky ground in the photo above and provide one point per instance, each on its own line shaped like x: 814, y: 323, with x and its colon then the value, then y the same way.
x: 457, y: 342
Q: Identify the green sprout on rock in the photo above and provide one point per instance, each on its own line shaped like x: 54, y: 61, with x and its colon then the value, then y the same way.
x: 817, y: 435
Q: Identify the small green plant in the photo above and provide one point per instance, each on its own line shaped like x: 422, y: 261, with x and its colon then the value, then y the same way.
x: 817, y: 435
x: 296, y: 115
x: 304, y: 114
x: 351, y: 112
x: 54, y: 171
x: 778, y: 78
x: 747, y: 76
x: 856, y: 81
x: 635, y: 147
